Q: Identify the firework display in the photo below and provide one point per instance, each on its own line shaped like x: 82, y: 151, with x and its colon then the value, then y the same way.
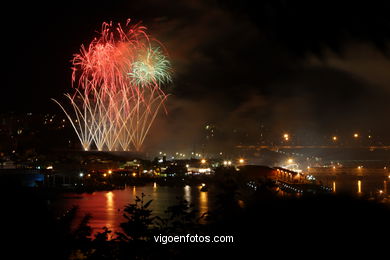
x: 118, y: 83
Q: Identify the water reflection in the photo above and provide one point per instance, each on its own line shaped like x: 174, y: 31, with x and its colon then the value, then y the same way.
x: 352, y: 183
x: 155, y: 192
x: 110, y: 209
x: 359, y: 183
x: 187, y: 193
x: 203, y: 202
x: 106, y: 208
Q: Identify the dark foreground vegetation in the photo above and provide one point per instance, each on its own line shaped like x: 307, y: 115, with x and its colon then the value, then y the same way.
x: 263, y: 224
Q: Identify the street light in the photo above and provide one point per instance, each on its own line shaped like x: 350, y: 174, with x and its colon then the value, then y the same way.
x: 286, y: 137
x: 203, y: 161
x: 241, y: 160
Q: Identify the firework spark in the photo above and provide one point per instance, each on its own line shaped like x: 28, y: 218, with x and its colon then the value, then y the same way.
x: 118, y: 88
x: 151, y: 68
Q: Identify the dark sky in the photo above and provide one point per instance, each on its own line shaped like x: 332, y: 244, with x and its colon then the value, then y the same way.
x: 312, y: 68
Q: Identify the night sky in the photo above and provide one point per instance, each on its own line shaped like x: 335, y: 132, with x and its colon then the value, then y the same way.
x: 312, y: 68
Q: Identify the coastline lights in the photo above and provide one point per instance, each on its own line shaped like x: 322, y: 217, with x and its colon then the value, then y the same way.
x: 226, y: 163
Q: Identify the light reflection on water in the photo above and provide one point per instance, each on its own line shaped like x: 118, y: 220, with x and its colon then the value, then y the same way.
x: 106, y: 208
x: 203, y: 202
x: 110, y: 208
x: 355, y: 184
x: 187, y: 193
x: 359, y: 184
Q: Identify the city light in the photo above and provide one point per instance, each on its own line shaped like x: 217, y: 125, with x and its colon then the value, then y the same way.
x: 334, y: 138
x: 355, y: 135
x: 81, y: 174
x: 204, y: 170
x: 203, y: 161
x: 290, y: 160
x: 286, y: 137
